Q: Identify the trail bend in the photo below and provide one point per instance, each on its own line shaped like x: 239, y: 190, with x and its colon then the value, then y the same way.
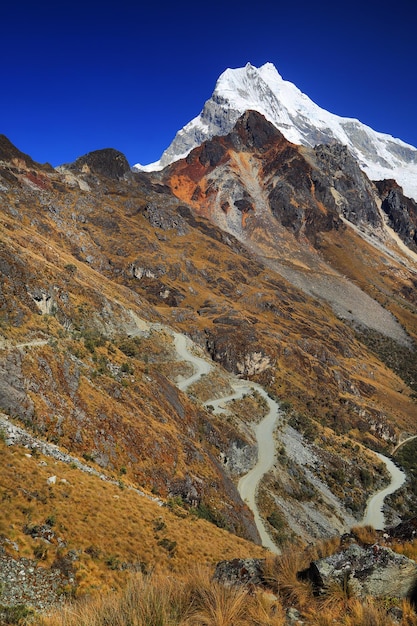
x: 264, y: 433
x: 374, y: 514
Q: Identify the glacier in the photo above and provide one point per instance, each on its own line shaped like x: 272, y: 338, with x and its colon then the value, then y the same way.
x: 299, y: 119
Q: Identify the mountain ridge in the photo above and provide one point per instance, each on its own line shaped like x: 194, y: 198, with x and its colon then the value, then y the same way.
x: 299, y: 119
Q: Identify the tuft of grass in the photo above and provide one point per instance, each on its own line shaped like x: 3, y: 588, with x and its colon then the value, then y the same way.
x: 408, y: 549
x: 216, y: 604
x: 338, y: 596
x: 409, y: 617
x: 324, y: 548
x: 281, y: 574
x: 367, y: 613
x: 265, y: 609
x: 145, y: 601
x: 365, y: 535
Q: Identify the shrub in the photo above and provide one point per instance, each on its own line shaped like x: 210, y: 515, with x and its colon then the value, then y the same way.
x: 70, y: 268
x: 51, y: 520
x: 15, y: 614
x: 130, y: 347
x: 126, y: 368
x: 40, y: 552
x: 113, y: 562
x: 276, y: 520
x: 168, y: 545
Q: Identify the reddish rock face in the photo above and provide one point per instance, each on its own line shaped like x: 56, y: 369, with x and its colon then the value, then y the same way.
x: 256, y: 178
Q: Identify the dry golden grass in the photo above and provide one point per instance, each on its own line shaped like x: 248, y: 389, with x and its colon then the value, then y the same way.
x: 323, y: 549
x: 408, y: 549
x: 409, y: 616
x: 367, y: 613
x: 143, y: 602
x: 106, y: 525
x: 194, y: 599
x: 215, y: 604
x: 281, y: 575
x: 365, y: 535
x: 351, y: 612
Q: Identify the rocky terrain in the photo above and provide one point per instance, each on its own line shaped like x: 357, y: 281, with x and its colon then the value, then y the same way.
x: 284, y: 266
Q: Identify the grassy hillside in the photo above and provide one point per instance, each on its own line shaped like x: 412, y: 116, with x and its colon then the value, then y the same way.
x: 95, y: 271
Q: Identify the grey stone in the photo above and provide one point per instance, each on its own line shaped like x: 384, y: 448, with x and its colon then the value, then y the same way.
x: 375, y: 571
x: 240, y: 572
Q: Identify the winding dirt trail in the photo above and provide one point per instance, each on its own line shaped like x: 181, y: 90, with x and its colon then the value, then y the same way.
x: 264, y: 432
x: 402, y: 443
x: 248, y: 484
x: 201, y: 365
x: 374, y: 515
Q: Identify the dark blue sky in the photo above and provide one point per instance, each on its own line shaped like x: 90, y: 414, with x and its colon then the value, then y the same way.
x: 77, y: 77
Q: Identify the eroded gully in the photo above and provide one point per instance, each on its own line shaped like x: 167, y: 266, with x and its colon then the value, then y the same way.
x: 264, y: 432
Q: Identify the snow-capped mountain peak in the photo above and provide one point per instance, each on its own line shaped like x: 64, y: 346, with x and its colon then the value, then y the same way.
x: 299, y: 119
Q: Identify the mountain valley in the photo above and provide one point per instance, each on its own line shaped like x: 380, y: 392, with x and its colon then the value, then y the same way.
x: 283, y: 266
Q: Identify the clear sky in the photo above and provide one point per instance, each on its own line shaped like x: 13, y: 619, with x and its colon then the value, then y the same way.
x: 77, y: 77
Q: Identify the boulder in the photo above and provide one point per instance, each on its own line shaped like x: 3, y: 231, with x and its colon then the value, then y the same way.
x: 240, y: 572
x: 406, y: 531
x: 375, y: 571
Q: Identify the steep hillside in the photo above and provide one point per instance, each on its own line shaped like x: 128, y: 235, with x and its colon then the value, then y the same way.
x: 277, y: 262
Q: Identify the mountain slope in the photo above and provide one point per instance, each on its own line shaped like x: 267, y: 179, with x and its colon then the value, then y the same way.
x: 99, y: 265
x: 299, y: 119
x: 273, y: 195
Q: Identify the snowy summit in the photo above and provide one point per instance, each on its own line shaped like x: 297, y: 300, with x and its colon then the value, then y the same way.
x: 299, y: 119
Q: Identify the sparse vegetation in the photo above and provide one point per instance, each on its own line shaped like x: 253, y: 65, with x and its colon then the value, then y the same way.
x: 197, y: 600
x: 401, y: 359
x: 19, y: 615
x: 365, y: 535
x: 72, y: 376
x: 406, y: 457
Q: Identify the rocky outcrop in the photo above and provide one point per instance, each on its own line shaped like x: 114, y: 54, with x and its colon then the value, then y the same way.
x: 240, y: 572
x: 340, y: 176
x: 107, y: 162
x: 235, y: 345
x: 375, y: 571
x: 400, y: 210
x: 254, y: 132
x: 406, y: 531
x: 13, y: 395
x: 161, y: 217
x: 24, y: 582
x: 9, y: 153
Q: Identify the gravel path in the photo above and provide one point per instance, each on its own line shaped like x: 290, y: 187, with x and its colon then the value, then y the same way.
x: 264, y: 432
x: 374, y: 515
